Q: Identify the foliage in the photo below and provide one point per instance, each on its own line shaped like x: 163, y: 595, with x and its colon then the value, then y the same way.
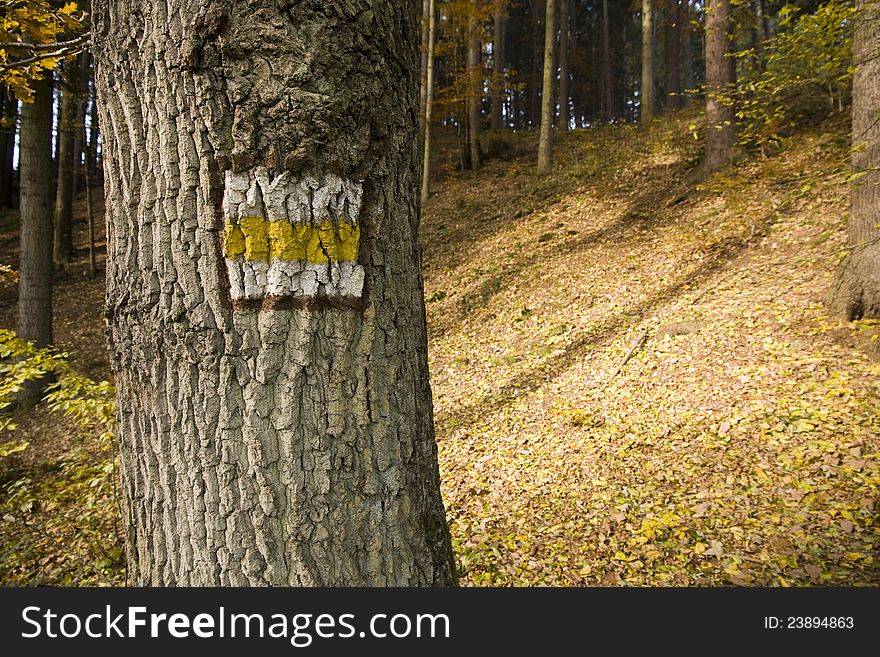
x: 30, y: 47
x: 20, y: 362
x: 799, y: 76
x: 59, y: 523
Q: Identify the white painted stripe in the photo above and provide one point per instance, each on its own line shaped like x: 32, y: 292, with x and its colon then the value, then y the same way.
x: 254, y: 279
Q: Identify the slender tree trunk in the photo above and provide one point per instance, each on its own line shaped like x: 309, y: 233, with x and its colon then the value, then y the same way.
x: 537, y: 58
x: 758, y: 34
x: 90, y: 214
x: 9, y: 116
x: 720, y: 116
x: 264, y: 297
x: 94, y: 130
x: 64, y: 190
x: 423, y: 70
x: 647, y: 88
x: 498, y: 86
x: 81, y: 91
x: 564, y: 73
x: 607, y: 105
x: 673, y: 55
x: 548, y: 105
x: 429, y: 102
x: 35, y: 271
x: 475, y: 88
x: 856, y: 291
x: 687, y: 54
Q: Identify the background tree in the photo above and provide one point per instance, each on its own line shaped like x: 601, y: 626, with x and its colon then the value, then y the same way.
x: 673, y: 55
x: 35, y: 271
x: 720, y: 78
x: 429, y: 101
x: 856, y: 291
x: 475, y: 86
x: 646, y: 96
x: 548, y: 106
x: 607, y: 102
x: 66, y: 138
x: 275, y: 420
x: 8, y: 128
x: 564, y: 68
x: 498, y: 90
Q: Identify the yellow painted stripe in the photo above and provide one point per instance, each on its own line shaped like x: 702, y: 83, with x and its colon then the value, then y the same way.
x: 257, y: 238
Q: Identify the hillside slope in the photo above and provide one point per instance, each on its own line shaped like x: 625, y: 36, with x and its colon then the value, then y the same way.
x: 738, y: 444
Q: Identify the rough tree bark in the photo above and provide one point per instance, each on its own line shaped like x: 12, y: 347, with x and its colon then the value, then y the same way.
x: 498, y: 91
x: 647, y: 88
x: 548, y: 103
x: 564, y: 73
x: 264, y: 297
x: 673, y: 55
x: 475, y: 87
x: 429, y: 102
x: 856, y: 290
x: 35, y: 271
x: 720, y: 78
x: 63, y: 244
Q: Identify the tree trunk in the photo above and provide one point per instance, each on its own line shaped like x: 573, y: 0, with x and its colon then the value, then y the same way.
x: 90, y: 213
x: 475, y: 88
x: 64, y: 190
x: 564, y: 74
x: 537, y: 60
x: 94, y: 129
x: 264, y: 297
x: 607, y: 105
x: 758, y: 33
x: 856, y: 291
x: 720, y: 78
x: 687, y: 54
x: 548, y: 105
x: 35, y: 270
x: 423, y: 69
x: 81, y: 92
x: 498, y: 87
x: 673, y: 55
x: 647, y: 89
x: 429, y: 102
x: 7, y: 146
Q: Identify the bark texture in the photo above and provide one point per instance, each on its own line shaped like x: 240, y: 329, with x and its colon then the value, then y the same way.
x: 720, y: 77
x: 285, y: 439
x: 647, y: 88
x: 856, y: 291
x: 548, y: 103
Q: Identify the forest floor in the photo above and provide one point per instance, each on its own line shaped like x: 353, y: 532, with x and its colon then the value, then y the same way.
x: 737, y: 444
